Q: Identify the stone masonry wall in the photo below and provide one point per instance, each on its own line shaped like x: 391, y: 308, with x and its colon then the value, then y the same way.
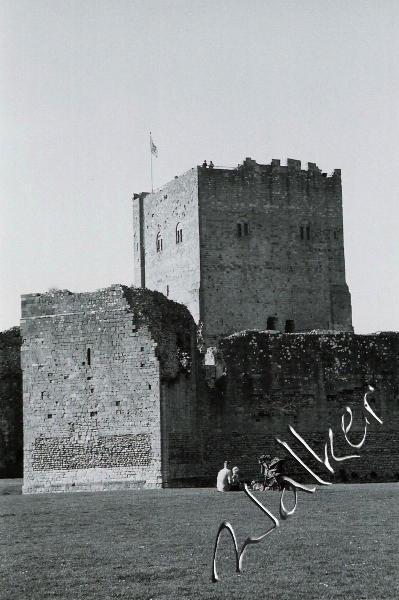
x: 174, y: 329
x: 98, y: 371
x: 306, y: 381
x: 271, y: 246
x: 171, y: 259
x: 10, y: 404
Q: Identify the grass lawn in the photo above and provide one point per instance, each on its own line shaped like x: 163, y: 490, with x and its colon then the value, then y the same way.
x: 342, y: 542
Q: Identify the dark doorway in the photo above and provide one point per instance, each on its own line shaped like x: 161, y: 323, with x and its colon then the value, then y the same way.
x: 272, y: 323
x: 289, y: 326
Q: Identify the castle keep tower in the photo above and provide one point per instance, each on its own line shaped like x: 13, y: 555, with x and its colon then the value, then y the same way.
x: 256, y: 247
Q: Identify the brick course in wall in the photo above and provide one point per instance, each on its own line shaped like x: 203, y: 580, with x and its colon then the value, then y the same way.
x: 10, y: 404
x: 102, y: 373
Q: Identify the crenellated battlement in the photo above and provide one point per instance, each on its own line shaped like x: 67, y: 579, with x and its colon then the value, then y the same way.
x: 292, y: 166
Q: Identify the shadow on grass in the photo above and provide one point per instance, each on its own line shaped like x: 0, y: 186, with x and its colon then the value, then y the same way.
x: 10, y: 487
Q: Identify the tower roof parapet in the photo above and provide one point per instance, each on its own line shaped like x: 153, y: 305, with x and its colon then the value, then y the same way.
x: 292, y: 165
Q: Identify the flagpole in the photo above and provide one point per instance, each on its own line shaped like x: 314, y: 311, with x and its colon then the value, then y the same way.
x: 152, y: 183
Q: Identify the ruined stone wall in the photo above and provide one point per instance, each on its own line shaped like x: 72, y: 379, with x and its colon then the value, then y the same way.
x: 306, y: 381
x: 271, y: 246
x: 99, y: 371
x: 10, y: 404
x: 174, y: 330
x: 171, y: 260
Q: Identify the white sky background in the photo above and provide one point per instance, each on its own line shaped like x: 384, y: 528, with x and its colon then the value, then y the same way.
x: 82, y: 83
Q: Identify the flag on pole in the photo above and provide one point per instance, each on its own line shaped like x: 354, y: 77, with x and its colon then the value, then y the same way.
x: 154, y: 149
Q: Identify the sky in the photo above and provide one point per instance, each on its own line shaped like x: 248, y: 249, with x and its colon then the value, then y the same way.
x: 83, y: 82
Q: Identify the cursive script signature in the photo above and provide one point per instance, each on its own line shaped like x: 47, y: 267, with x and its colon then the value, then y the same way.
x: 286, y: 483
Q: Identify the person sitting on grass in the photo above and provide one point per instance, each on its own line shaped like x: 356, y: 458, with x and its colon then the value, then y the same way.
x: 223, y: 481
x: 235, y: 480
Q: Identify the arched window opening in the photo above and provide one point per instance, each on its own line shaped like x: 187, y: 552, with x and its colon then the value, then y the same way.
x: 289, y: 326
x: 271, y: 323
x: 179, y: 233
x: 242, y: 228
x: 159, y: 242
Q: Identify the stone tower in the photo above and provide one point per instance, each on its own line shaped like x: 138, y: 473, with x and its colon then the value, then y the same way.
x: 256, y: 247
